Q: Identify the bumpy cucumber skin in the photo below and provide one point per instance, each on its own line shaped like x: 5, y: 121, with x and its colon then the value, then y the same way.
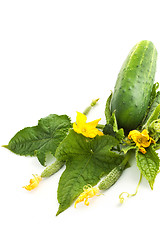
x: 53, y: 168
x: 134, y: 85
x: 111, y: 178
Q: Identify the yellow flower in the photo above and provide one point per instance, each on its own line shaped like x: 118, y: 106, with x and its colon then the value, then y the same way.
x: 33, y: 182
x: 87, y: 129
x: 88, y: 192
x: 142, y: 139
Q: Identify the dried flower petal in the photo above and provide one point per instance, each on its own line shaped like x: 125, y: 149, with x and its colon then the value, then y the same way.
x: 34, y: 182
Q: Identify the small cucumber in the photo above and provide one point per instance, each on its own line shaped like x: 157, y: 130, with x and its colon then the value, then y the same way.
x: 114, y: 174
x: 53, y: 168
x: 111, y: 178
x: 134, y: 84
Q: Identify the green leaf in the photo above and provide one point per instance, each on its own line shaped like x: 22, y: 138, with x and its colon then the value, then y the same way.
x: 41, y: 139
x: 107, y: 109
x: 153, y: 116
x: 126, y: 147
x: 154, y: 101
x: 154, y: 130
x: 154, y: 93
x: 87, y: 160
x: 153, y: 122
x: 148, y: 164
x: 113, y: 122
x: 111, y: 127
x: 152, y: 107
x: 118, y: 134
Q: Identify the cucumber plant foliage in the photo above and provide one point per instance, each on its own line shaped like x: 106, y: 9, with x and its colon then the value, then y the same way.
x: 131, y: 110
x: 41, y: 139
x: 87, y: 161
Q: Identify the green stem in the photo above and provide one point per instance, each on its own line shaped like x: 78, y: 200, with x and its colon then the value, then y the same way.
x: 100, y: 126
x: 121, y: 196
x: 134, y: 194
x: 88, y: 109
x: 126, y: 159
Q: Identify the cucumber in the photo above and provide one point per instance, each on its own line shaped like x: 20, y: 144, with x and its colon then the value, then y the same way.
x: 111, y: 178
x: 114, y: 174
x: 53, y: 168
x: 134, y: 84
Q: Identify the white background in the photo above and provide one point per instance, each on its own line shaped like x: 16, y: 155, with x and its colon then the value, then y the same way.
x: 55, y: 57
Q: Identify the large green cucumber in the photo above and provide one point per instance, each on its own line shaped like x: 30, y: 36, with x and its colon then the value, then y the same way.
x: 134, y: 84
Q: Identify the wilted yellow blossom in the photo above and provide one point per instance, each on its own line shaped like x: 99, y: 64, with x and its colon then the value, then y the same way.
x: 33, y: 182
x: 88, y: 192
x: 87, y: 129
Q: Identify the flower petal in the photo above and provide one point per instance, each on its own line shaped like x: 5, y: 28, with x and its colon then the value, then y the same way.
x: 142, y: 140
x: 94, y: 123
x: 142, y: 150
x: 76, y: 128
x: 86, y: 129
x: 100, y: 133
x: 90, y: 131
x: 33, y: 182
x: 81, y: 118
x: 144, y: 133
x: 133, y: 134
